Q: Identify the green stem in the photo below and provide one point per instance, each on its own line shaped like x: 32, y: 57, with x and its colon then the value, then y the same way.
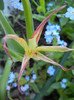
x: 28, y: 18
x: 4, y: 79
x: 35, y: 3
x: 9, y: 96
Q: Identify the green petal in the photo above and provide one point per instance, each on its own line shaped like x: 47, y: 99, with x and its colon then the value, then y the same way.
x: 24, y: 63
x: 40, y: 56
x: 35, y: 37
x: 53, y: 48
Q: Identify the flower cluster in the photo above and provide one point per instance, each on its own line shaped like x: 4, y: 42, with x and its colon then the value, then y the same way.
x: 31, y: 79
x: 16, y: 4
x: 49, y: 5
x: 51, y: 70
x: 25, y: 87
x: 70, y: 13
x: 53, y: 31
x: 11, y: 80
x: 63, y: 83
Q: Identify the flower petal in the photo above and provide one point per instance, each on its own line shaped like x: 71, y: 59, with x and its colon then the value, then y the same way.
x: 24, y: 63
x: 40, y: 56
x: 53, y: 48
x: 35, y: 37
x: 21, y: 41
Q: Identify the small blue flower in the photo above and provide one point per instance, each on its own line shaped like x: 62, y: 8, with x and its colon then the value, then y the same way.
x: 70, y: 13
x: 58, y: 27
x: 63, y: 85
x: 14, y: 84
x: 50, y: 4
x: 25, y: 87
x: 34, y: 77
x: 26, y: 93
x: 48, y: 38
x: 7, y: 87
x: 47, y: 8
x: 27, y: 78
x: 16, y: 4
x: 55, y: 33
x: 51, y: 70
x: 33, y: 72
x: 11, y: 77
x: 32, y: 81
x: 64, y: 80
x: 48, y: 32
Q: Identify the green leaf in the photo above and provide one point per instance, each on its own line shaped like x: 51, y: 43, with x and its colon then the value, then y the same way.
x: 73, y: 72
x: 1, y: 5
x: 35, y: 88
x: 22, y: 81
x: 38, y: 17
x: 63, y: 21
x: 4, y: 79
x: 42, y: 3
x: 56, y: 85
x: 49, y: 91
x: 7, y: 28
x: 15, y: 55
x: 1, y: 46
x: 40, y: 9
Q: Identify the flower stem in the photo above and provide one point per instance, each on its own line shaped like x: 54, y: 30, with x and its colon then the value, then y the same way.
x: 28, y: 18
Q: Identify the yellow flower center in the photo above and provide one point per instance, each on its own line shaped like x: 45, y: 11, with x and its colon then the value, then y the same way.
x: 30, y: 53
x: 72, y: 12
x: 15, y: 3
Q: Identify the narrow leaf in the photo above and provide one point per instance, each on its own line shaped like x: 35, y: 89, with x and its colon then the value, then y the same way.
x: 4, y: 79
x: 7, y: 28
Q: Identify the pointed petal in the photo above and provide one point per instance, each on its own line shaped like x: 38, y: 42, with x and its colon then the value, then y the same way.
x: 35, y: 37
x: 53, y: 48
x: 21, y: 41
x: 40, y: 56
x: 24, y: 63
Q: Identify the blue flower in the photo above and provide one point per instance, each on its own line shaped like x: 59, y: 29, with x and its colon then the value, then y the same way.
x: 48, y: 32
x: 53, y: 30
x: 16, y: 4
x: 14, y: 84
x: 47, y: 8
x: 32, y: 81
x: 27, y: 78
x: 26, y: 93
x: 11, y: 77
x: 51, y: 70
x: 34, y: 77
x: 33, y: 72
x: 50, y: 4
x: 48, y: 38
x: 63, y: 85
x: 25, y: 87
x: 58, y: 27
x: 7, y: 87
x: 64, y: 80
x: 70, y: 13
x: 55, y: 33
